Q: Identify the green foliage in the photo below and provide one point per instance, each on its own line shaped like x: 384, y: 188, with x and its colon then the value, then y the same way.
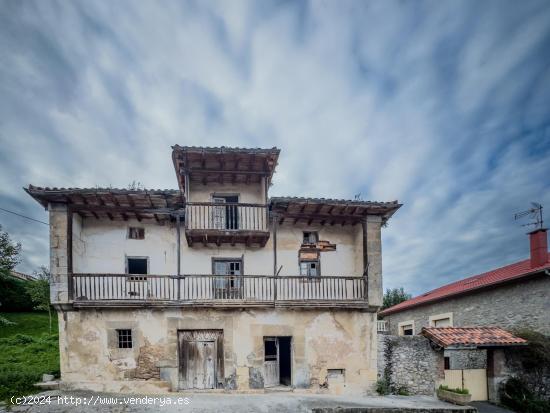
x: 394, y: 296
x: 456, y: 390
x: 537, y: 353
x: 516, y: 395
x: 6, y: 322
x: 9, y: 252
x: 39, y: 292
x: 13, y: 294
x: 26, y: 352
x: 382, y: 387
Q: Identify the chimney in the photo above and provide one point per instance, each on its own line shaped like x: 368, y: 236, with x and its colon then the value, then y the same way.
x: 539, y: 247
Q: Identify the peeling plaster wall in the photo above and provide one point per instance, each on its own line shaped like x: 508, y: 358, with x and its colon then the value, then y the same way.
x: 248, y: 194
x: 100, y: 246
x: 321, y: 340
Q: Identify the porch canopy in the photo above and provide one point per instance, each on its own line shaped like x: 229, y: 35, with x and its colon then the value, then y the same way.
x: 112, y: 203
x: 329, y: 211
x: 223, y: 165
x: 470, y: 338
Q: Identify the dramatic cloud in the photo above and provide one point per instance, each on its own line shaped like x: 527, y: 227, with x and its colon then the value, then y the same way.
x: 442, y: 105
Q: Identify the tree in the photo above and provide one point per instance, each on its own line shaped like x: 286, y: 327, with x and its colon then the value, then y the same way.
x: 39, y: 291
x: 394, y: 296
x: 9, y: 253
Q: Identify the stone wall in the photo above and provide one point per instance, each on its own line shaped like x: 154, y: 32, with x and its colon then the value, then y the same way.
x: 524, y: 305
x: 467, y: 359
x: 409, y: 364
x: 320, y: 340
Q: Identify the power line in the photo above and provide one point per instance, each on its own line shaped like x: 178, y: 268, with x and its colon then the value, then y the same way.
x: 24, y: 216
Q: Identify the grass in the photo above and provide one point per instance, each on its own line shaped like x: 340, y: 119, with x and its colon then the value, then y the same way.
x: 457, y: 390
x: 27, y: 350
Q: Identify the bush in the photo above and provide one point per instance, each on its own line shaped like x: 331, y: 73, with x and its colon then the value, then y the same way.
x: 13, y: 295
x: 516, y: 395
x: 456, y: 390
x: 382, y: 387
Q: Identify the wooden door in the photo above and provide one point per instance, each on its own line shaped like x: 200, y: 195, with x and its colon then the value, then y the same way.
x: 475, y: 380
x: 201, y: 372
x: 218, y: 213
x: 271, y: 362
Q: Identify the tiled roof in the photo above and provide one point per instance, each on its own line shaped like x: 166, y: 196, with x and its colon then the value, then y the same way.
x: 226, y: 149
x: 471, y: 337
x: 279, y: 199
x: 501, y: 275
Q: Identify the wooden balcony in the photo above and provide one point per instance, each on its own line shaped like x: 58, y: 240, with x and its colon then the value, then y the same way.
x: 232, y: 223
x: 123, y: 290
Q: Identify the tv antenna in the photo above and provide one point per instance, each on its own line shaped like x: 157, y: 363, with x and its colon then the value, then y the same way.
x: 534, y: 213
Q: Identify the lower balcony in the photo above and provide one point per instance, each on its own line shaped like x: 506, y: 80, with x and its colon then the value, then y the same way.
x: 124, y: 290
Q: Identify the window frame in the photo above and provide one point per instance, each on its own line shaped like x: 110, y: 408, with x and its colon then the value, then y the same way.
x: 402, y: 326
x: 439, y: 317
x: 315, y: 235
x: 137, y: 277
x: 122, y: 336
x: 141, y: 230
x: 318, y: 268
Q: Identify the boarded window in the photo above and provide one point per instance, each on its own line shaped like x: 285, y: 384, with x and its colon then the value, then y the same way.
x: 310, y: 237
x: 136, y: 233
x: 443, y: 322
x: 309, y: 268
x: 124, y: 338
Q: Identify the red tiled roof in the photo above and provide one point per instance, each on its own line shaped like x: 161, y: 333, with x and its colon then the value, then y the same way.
x: 471, y: 336
x: 497, y: 276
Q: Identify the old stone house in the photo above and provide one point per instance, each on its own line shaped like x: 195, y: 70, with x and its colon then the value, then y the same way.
x: 215, y: 285
x: 469, y: 321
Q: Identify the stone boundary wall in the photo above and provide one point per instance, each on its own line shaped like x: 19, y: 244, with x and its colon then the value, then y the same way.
x: 409, y: 364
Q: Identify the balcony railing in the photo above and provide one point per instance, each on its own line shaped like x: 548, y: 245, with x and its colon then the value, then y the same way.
x: 221, y: 289
x: 226, y: 216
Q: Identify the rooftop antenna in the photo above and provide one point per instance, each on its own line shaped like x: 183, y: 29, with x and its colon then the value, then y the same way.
x: 534, y: 213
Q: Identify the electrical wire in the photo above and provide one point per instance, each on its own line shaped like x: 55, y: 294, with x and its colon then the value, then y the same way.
x: 24, y: 216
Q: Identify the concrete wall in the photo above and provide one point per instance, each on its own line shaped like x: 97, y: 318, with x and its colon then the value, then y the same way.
x: 321, y: 340
x: 524, y: 304
x: 409, y: 364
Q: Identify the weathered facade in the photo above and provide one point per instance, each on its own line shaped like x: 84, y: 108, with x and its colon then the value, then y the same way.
x: 215, y: 285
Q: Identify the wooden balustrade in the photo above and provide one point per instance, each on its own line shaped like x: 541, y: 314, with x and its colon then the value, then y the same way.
x: 226, y: 216
x: 216, y: 288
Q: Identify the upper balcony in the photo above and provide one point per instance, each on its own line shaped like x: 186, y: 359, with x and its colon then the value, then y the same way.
x: 126, y: 290
x: 208, y: 222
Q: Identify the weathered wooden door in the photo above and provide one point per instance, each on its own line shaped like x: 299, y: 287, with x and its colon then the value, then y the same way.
x: 475, y: 380
x: 199, y: 359
x: 271, y: 362
x: 218, y: 213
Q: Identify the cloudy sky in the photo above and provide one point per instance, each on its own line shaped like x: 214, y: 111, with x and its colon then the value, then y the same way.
x: 444, y: 106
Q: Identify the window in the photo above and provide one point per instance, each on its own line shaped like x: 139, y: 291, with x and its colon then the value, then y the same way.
x: 227, y: 287
x: 136, y: 233
x: 309, y: 268
x: 447, y: 362
x: 124, y: 338
x: 137, y: 265
x: 442, y: 320
x: 310, y: 237
x: 406, y: 328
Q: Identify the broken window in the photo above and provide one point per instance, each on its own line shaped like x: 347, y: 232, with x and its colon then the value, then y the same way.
x: 229, y: 286
x: 309, y: 268
x: 124, y: 338
x: 310, y: 237
x: 136, y: 233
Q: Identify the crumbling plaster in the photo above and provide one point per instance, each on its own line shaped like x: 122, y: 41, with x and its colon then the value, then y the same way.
x: 321, y: 340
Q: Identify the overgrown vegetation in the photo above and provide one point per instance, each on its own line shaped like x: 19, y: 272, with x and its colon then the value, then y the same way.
x: 455, y: 390
x: 394, y: 296
x: 525, y: 391
x: 516, y: 395
x: 27, y: 350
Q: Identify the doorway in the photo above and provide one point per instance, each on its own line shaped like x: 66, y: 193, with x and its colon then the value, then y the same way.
x: 277, y: 361
x: 200, y: 359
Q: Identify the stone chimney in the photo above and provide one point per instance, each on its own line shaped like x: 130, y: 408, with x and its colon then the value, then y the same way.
x: 539, y: 247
